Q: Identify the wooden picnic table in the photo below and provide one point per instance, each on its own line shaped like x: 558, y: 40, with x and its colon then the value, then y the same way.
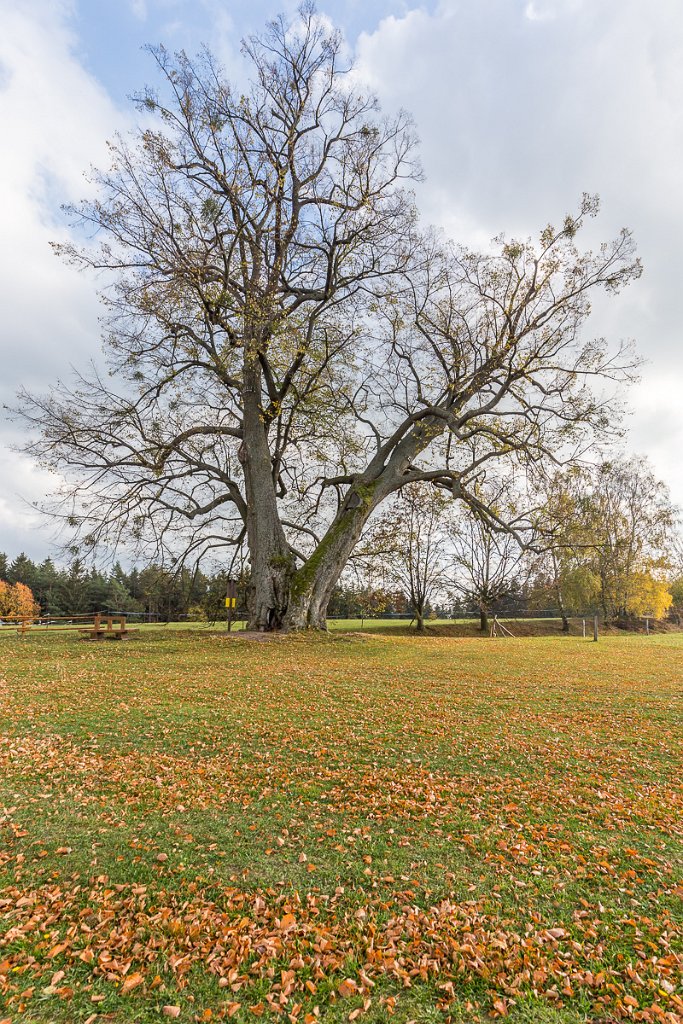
x: 103, y: 628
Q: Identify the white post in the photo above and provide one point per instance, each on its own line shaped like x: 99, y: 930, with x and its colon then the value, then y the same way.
x: 584, y: 629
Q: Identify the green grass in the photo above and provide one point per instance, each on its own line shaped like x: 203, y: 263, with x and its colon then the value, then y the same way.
x: 425, y: 809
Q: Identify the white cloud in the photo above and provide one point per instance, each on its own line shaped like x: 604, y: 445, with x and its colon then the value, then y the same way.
x: 139, y: 9
x: 547, y: 10
x: 521, y: 107
x: 22, y: 527
x: 55, y: 120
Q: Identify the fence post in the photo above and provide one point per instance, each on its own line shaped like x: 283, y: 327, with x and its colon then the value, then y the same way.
x: 584, y: 629
x: 595, y: 629
x: 647, y: 627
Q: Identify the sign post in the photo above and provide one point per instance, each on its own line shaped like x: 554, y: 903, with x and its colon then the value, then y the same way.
x: 231, y: 601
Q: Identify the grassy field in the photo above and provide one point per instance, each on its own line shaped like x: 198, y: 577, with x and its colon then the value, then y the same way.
x: 341, y: 828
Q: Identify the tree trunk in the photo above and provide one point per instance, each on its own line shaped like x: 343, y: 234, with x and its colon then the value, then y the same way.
x: 272, y: 562
x: 313, y: 583
x: 281, y: 597
x: 563, y: 612
x: 558, y: 595
x: 419, y: 614
x: 483, y: 620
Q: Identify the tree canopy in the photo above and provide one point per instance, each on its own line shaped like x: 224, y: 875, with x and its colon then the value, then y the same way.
x: 288, y: 347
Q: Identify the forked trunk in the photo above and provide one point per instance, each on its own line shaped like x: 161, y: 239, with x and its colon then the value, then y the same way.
x: 281, y: 597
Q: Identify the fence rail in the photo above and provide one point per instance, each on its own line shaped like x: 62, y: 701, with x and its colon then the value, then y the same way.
x: 94, y: 626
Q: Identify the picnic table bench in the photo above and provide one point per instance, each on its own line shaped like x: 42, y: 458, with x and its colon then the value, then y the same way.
x: 102, y: 628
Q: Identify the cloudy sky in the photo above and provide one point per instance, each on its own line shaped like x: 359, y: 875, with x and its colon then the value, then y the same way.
x: 521, y: 106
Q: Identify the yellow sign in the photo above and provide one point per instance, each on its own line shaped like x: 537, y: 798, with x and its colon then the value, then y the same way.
x: 230, y: 602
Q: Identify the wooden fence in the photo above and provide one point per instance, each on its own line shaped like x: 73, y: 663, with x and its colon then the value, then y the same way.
x: 91, y: 627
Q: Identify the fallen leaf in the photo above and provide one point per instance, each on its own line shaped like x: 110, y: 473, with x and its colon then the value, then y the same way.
x: 131, y: 982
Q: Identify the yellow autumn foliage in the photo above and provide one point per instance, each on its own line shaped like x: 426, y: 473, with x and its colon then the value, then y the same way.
x: 16, y: 599
x: 648, y: 596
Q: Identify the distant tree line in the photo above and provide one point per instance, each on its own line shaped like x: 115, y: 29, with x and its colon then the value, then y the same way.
x: 153, y: 591
x: 161, y: 594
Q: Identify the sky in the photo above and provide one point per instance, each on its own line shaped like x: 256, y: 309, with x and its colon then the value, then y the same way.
x: 521, y: 106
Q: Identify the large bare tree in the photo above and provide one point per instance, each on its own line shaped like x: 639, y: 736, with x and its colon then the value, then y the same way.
x: 285, y: 350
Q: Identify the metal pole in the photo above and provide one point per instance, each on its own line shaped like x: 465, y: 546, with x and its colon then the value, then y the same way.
x: 595, y: 629
x: 231, y: 601
x: 584, y: 629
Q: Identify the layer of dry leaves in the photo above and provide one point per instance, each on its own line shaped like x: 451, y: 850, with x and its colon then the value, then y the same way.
x: 287, y: 953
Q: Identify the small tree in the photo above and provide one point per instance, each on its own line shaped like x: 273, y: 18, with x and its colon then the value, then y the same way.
x: 634, y: 523
x: 408, y: 542
x: 487, y: 559
x: 562, y: 564
x: 369, y: 601
x: 16, y: 600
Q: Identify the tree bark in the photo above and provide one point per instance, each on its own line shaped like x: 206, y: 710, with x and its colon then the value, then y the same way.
x: 483, y: 620
x: 558, y: 595
x: 272, y: 562
x: 563, y: 611
x: 312, y: 584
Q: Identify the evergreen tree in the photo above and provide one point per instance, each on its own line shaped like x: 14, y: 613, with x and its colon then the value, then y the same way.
x: 22, y: 570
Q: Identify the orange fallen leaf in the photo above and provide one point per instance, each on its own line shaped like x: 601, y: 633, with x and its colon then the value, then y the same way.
x: 131, y: 982
x: 347, y: 988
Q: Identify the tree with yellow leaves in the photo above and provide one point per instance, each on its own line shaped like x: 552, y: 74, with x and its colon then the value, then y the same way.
x: 648, y: 595
x: 634, y: 521
x: 16, y: 600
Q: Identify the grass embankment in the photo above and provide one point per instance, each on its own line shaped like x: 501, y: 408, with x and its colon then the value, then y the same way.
x: 340, y: 828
